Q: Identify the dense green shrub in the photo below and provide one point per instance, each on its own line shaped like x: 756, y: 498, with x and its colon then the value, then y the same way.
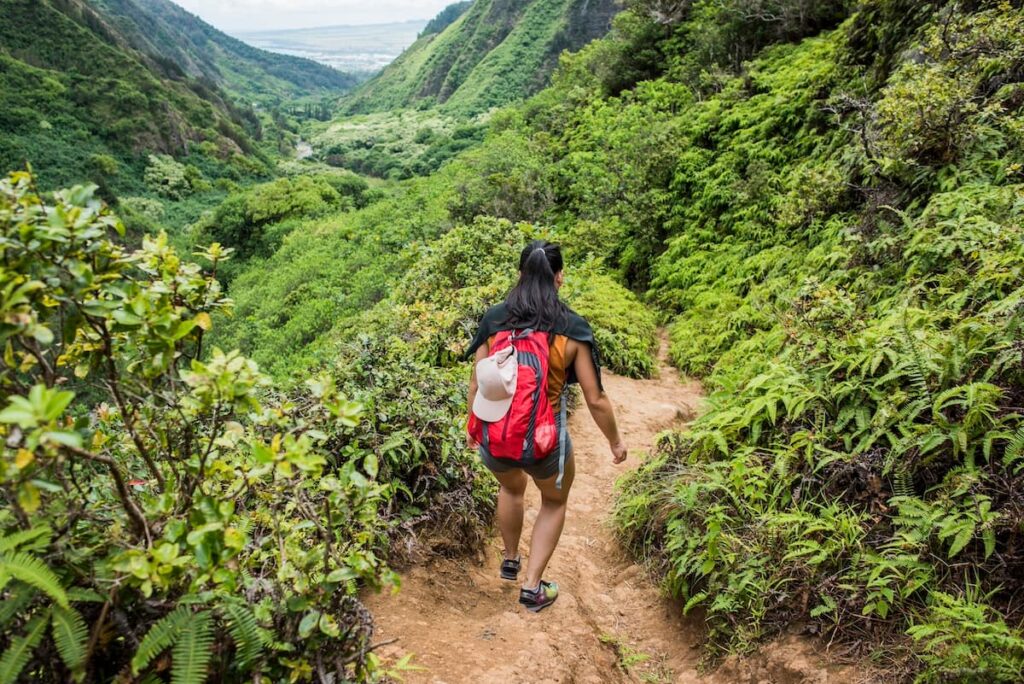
x: 849, y: 289
x: 245, y: 221
x: 397, y: 144
x: 167, y: 177
x: 154, y: 490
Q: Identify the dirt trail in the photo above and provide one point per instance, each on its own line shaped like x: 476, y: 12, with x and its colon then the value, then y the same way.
x: 610, y: 624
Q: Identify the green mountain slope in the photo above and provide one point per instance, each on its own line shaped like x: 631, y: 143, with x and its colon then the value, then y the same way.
x: 183, y: 43
x: 497, y: 52
x: 84, y: 82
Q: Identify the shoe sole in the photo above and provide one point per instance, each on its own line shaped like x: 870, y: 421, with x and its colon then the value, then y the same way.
x: 507, y: 574
x: 537, y: 609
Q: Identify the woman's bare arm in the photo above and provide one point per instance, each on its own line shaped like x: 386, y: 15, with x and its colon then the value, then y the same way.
x: 600, y: 405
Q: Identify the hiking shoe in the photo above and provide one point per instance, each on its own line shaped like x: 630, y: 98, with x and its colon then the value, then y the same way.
x: 539, y: 599
x: 510, y: 569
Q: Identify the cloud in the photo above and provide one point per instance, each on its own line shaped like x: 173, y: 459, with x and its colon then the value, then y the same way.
x: 254, y: 15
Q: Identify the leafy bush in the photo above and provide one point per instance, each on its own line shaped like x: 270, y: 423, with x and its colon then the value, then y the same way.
x: 451, y: 281
x: 156, y: 491
x: 167, y: 177
x: 244, y: 220
x: 625, y: 329
x: 855, y: 467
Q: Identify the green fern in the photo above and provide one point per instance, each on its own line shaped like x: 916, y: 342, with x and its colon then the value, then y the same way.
x: 16, y: 539
x: 31, y: 570
x: 902, y: 484
x: 246, y: 633
x: 70, y: 634
x: 83, y: 595
x: 18, y: 653
x: 160, y: 637
x: 1014, y: 448
x: 193, y: 650
x: 20, y: 596
x: 918, y: 372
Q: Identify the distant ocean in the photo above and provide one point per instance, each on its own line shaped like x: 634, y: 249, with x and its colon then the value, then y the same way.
x: 354, y: 49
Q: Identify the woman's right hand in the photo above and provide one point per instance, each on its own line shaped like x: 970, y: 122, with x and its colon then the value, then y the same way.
x: 619, y: 452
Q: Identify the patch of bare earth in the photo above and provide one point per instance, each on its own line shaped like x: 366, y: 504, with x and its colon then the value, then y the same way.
x: 462, y: 623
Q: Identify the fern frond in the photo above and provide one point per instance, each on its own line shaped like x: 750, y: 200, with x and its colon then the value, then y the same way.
x: 247, y: 634
x: 918, y: 372
x: 1014, y: 448
x: 17, y: 655
x: 83, y: 595
x: 70, y: 635
x: 161, y: 636
x: 193, y: 650
x: 31, y: 570
x: 902, y: 484
x: 16, y: 539
x: 12, y: 606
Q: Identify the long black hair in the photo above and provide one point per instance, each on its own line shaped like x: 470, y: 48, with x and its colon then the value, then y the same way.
x: 533, y: 302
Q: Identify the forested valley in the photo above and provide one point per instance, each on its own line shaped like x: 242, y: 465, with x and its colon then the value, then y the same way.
x: 233, y: 384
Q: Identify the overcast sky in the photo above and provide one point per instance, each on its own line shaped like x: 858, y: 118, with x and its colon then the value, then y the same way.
x: 257, y: 15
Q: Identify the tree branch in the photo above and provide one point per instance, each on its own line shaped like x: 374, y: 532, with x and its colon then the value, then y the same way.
x: 127, y: 501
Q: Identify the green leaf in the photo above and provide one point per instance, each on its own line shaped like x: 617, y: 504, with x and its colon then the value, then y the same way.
x: 17, y: 655
x: 56, y: 403
x: 68, y: 439
x: 988, y: 536
x: 19, y: 412
x: 43, y: 335
x: 308, y: 624
x: 247, y: 634
x: 329, y: 626
x: 193, y: 650
x: 960, y: 541
x: 370, y: 465
x: 70, y: 635
x: 695, y: 600
x: 342, y: 575
x: 31, y: 570
x: 16, y: 539
x: 162, y: 635
x: 80, y: 595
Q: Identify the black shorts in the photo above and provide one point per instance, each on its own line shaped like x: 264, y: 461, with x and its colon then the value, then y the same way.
x: 544, y: 470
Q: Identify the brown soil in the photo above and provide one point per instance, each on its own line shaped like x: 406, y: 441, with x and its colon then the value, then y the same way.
x: 462, y: 623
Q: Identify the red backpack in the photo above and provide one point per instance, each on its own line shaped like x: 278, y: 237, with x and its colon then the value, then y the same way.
x: 529, y: 432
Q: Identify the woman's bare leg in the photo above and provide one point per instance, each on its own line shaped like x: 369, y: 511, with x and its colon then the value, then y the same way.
x: 510, y: 509
x: 548, y: 527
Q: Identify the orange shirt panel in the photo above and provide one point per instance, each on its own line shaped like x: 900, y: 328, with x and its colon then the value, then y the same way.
x: 556, y: 365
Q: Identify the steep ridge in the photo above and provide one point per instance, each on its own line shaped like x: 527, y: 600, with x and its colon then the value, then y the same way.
x: 497, y: 52
x: 461, y: 623
x: 120, y: 78
x: 166, y: 32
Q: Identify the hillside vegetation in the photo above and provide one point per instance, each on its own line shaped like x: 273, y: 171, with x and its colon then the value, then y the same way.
x: 184, y: 45
x: 89, y: 89
x: 495, y: 52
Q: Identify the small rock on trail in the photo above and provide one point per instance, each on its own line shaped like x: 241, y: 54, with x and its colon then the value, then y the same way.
x: 463, y: 624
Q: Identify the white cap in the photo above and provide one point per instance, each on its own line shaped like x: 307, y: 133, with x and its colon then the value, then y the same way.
x: 496, y: 383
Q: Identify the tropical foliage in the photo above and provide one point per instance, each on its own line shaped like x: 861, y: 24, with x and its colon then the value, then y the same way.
x: 821, y: 201
x: 164, y: 507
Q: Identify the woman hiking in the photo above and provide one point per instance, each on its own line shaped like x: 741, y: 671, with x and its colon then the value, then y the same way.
x: 529, y: 349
